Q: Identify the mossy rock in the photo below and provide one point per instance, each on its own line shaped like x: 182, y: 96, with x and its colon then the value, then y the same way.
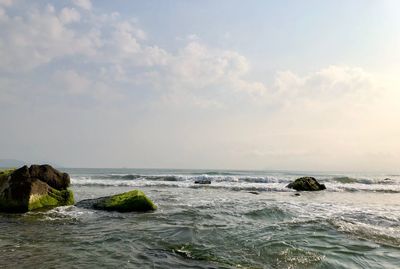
x: 39, y: 186
x: 6, y: 171
x: 132, y: 201
x: 53, y: 199
x: 4, y: 174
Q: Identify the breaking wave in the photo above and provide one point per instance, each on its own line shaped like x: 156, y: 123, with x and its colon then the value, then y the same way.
x: 237, y: 182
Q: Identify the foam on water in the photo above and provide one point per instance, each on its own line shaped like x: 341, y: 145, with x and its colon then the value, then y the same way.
x: 240, y: 182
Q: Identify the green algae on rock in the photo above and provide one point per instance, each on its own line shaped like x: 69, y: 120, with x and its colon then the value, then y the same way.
x: 52, y: 199
x: 39, y: 186
x: 132, y: 201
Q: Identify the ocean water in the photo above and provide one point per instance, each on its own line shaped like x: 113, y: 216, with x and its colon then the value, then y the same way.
x: 243, y: 219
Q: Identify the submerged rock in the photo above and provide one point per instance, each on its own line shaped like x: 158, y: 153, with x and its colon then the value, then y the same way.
x: 306, y: 184
x: 254, y: 192
x: 38, y: 186
x: 131, y: 176
x: 345, y: 180
x: 130, y: 201
x: 204, y: 181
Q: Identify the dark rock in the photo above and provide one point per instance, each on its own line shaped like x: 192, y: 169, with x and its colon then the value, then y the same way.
x: 131, y: 177
x: 306, y: 184
x: 254, y: 192
x: 39, y: 186
x: 297, y: 194
x: 170, y: 178
x: 51, y: 176
x: 386, y: 181
x: 130, y: 201
x: 206, y: 181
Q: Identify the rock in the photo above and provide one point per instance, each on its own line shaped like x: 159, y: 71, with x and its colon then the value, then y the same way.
x: 205, y: 181
x: 297, y: 194
x: 306, y: 184
x: 254, y: 192
x: 51, y: 176
x: 38, y: 186
x: 130, y: 201
x: 386, y: 181
x: 131, y: 177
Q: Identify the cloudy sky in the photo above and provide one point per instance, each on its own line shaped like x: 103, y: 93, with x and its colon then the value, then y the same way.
x: 296, y: 85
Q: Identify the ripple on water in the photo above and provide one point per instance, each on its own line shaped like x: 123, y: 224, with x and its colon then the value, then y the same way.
x: 269, y: 213
x: 376, y: 233
x: 205, y: 228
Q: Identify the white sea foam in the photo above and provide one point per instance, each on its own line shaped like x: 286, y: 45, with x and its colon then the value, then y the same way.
x: 259, y: 183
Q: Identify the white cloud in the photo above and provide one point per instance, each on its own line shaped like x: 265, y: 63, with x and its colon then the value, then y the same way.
x: 119, y: 52
x: 3, y: 15
x: 208, y: 75
x: 326, y: 97
x: 6, y: 2
x: 39, y: 37
x: 74, y: 84
x: 196, y: 73
x: 333, y: 84
x: 126, y: 47
x: 193, y: 37
x: 124, y: 39
x: 69, y: 15
x: 85, y: 4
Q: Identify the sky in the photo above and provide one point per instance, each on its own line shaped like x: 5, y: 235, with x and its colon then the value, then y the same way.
x: 228, y: 84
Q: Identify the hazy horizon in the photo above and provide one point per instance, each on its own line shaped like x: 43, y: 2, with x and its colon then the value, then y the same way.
x: 231, y: 85
x: 310, y: 171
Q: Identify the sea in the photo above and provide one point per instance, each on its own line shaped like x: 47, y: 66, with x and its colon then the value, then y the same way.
x: 243, y: 219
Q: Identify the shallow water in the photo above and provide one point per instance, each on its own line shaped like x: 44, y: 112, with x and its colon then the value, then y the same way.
x: 353, y: 224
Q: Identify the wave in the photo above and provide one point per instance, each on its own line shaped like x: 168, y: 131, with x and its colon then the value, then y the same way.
x: 268, y: 213
x: 356, y: 187
x: 377, y: 233
x: 279, y: 187
x: 189, y: 178
x: 215, y: 173
x: 237, y: 180
x: 234, y: 184
x: 216, y: 176
x: 346, y: 180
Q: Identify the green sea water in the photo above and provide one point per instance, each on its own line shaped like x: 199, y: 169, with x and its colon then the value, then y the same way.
x: 241, y: 220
